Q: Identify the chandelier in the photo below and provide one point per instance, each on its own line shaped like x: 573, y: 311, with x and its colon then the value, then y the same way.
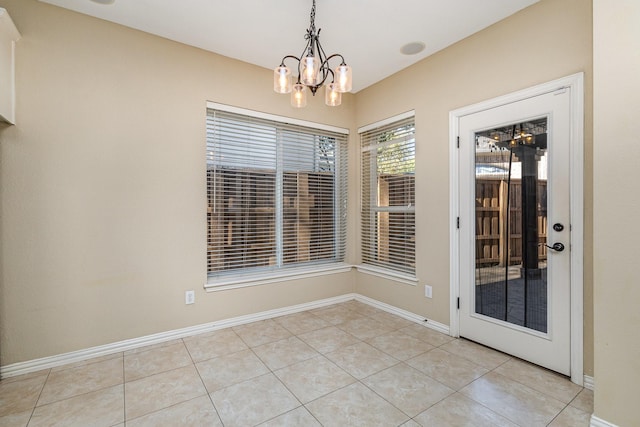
x: 313, y: 72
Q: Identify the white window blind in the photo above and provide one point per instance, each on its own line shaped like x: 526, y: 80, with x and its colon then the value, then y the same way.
x: 388, y: 196
x: 276, y: 195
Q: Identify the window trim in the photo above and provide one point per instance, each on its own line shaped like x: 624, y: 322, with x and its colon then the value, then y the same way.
x: 241, y: 280
x: 264, y: 278
x: 273, y: 117
x: 388, y: 121
x: 387, y: 273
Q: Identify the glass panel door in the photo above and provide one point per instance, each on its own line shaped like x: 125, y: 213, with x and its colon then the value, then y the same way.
x: 514, y: 201
x: 511, y: 224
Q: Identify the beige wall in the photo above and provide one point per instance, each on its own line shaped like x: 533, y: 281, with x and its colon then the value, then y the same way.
x: 546, y: 41
x: 616, y: 67
x: 103, y: 185
x: 103, y: 193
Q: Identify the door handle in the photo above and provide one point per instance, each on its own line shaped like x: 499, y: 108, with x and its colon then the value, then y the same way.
x: 558, y: 247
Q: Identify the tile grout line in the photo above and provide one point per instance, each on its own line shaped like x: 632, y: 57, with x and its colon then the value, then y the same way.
x: 454, y: 390
x: 558, y: 414
x: 482, y: 404
x: 164, y: 372
x: 339, y: 388
x: 272, y: 372
x: 75, y: 395
x: 193, y: 363
x: 399, y: 361
x: 386, y: 400
x: 524, y: 385
x: 534, y: 389
x: 357, y: 380
x: 202, y: 381
x: 35, y: 406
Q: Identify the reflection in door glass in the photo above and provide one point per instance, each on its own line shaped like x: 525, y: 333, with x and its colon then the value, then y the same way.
x: 511, y: 224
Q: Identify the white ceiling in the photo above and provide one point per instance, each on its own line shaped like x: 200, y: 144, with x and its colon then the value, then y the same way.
x: 368, y: 33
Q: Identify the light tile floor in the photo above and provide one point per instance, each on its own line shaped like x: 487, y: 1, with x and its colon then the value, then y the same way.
x: 345, y: 365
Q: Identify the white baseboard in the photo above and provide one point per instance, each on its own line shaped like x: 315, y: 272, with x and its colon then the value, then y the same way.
x: 404, y: 314
x: 103, y: 350
x: 599, y: 422
x: 588, y: 382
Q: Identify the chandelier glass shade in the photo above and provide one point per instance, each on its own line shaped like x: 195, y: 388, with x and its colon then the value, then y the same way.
x: 313, y: 72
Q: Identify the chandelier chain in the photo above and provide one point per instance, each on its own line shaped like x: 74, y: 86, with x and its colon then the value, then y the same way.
x: 311, y: 31
x: 313, y: 16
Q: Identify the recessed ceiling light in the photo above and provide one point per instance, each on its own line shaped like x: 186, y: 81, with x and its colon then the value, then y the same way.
x: 104, y: 1
x: 412, y: 48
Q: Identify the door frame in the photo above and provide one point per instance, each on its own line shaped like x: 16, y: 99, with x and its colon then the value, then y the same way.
x: 575, y: 83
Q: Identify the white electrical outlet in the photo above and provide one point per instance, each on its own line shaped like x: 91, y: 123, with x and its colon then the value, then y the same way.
x: 189, y: 297
x: 427, y: 291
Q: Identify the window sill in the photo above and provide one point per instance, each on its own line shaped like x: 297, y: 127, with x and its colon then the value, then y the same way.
x: 388, y: 274
x: 234, y: 282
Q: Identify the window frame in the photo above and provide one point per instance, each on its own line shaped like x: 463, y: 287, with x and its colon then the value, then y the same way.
x: 243, y: 277
x: 402, y: 275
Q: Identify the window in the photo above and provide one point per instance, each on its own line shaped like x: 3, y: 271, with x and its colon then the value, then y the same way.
x: 276, y: 194
x: 388, y: 195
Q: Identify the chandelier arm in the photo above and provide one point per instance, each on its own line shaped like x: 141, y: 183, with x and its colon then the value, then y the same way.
x: 325, y: 74
x: 335, y: 55
x: 322, y: 56
x: 315, y: 88
x: 326, y: 70
x: 302, y: 55
x: 289, y: 56
x: 321, y: 53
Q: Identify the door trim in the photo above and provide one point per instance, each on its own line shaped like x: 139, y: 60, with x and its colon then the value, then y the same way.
x: 575, y: 83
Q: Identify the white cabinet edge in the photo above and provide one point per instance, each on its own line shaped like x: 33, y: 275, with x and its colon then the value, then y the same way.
x: 9, y: 35
x: 7, y: 26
